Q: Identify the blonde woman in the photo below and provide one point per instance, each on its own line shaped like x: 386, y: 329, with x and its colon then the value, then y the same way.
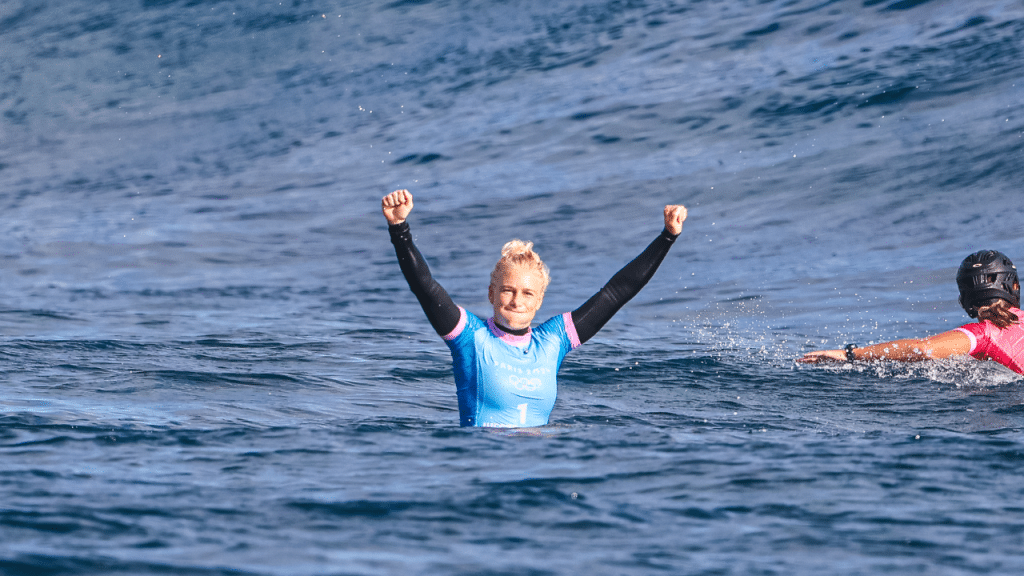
x: 504, y: 368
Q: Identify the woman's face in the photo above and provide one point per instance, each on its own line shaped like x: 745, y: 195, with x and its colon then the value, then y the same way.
x: 516, y: 296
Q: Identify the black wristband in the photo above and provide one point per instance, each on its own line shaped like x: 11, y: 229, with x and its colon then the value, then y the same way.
x: 850, y: 356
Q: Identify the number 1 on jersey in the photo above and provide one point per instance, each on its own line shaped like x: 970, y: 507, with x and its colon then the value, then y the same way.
x: 522, y: 413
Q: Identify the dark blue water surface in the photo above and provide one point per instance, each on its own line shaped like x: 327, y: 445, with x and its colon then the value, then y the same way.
x: 211, y: 363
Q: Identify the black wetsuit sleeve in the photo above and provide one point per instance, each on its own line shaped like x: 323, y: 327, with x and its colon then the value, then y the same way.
x: 441, y: 311
x: 626, y: 283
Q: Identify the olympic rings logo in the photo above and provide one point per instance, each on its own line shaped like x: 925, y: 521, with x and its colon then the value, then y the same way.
x: 524, y: 384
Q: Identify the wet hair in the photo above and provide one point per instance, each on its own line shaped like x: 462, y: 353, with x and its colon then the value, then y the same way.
x: 519, y: 253
x: 998, y: 313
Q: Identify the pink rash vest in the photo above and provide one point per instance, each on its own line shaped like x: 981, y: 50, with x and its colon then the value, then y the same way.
x: 1004, y: 345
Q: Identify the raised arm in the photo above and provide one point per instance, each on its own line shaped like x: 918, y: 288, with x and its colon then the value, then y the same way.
x: 952, y: 343
x: 627, y: 282
x: 441, y: 311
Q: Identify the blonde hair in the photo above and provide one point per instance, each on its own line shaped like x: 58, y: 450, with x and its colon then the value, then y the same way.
x: 998, y: 313
x: 519, y: 253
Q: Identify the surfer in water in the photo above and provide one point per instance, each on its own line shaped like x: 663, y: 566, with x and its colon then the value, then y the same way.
x: 504, y: 368
x: 990, y: 292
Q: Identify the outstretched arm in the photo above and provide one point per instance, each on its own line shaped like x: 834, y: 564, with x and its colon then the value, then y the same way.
x: 441, y: 311
x: 626, y: 283
x: 952, y: 343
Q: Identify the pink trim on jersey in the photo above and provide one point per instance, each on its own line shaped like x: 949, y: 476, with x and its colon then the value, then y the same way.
x: 458, y: 327
x: 570, y: 330
x: 506, y: 337
x: 1005, y: 345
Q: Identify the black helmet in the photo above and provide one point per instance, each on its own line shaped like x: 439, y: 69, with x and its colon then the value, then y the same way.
x: 984, y: 277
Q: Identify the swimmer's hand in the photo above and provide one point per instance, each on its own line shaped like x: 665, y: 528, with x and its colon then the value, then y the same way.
x: 675, y: 215
x: 823, y: 356
x: 396, y: 206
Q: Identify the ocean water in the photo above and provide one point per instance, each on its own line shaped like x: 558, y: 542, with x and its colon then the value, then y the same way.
x: 211, y: 363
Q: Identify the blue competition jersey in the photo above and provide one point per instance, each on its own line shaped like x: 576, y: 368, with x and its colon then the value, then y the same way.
x: 508, y: 381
